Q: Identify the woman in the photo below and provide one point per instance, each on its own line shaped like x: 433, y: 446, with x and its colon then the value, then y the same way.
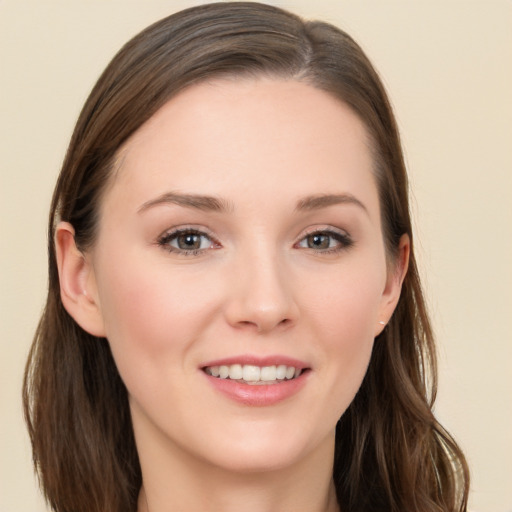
x: 234, y: 317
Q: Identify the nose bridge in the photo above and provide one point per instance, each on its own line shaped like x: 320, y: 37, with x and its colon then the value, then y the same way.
x: 261, y: 295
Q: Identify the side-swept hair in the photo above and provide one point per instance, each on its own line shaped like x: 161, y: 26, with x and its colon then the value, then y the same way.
x: 391, y: 453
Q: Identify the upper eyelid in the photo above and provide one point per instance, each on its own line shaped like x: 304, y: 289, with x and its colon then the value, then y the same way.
x: 169, y: 232
x: 323, y: 229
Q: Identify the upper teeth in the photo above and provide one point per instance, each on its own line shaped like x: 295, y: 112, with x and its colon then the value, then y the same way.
x: 251, y: 373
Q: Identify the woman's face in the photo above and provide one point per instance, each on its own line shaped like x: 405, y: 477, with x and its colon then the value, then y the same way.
x: 241, y: 236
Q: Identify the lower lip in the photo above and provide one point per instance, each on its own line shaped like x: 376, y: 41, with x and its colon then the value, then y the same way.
x: 258, y: 394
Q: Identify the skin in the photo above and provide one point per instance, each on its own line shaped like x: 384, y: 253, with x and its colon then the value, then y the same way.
x: 256, y: 286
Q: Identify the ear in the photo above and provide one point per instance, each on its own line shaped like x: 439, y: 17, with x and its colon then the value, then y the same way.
x: 78, y: 289
x: 396, y: 276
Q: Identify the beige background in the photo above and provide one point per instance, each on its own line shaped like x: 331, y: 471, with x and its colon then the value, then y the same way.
x: 448, y: 67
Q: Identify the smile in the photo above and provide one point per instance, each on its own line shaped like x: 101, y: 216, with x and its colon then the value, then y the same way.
x: 257, y: 380
x: 252, y: 374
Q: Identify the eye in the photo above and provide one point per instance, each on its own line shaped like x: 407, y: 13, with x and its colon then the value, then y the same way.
x: 187, y: 241
x: 325, y: 241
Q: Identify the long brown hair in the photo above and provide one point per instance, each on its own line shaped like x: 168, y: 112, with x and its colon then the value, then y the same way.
x: 391, y: 453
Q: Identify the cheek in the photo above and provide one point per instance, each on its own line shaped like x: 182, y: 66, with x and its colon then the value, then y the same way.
x: 152, y: 312
x: 346, y: 303
x: 344, y: 312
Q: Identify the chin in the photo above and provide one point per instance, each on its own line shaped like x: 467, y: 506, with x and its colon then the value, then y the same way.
x: 257, y: 461
x: 261, y: 451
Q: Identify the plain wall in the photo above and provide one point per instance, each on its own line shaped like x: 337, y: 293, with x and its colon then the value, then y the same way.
x: 448, y: 68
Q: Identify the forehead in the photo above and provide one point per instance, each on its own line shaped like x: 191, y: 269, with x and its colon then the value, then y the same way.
x: 228, y: 137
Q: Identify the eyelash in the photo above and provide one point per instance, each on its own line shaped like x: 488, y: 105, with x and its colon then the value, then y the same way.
x: 166, y: 239
x: 343, y: 241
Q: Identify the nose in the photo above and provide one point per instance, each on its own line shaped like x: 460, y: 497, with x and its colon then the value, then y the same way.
x: 261, y: 295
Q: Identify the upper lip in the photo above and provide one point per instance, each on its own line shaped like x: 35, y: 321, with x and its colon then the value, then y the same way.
x: 270, y: 360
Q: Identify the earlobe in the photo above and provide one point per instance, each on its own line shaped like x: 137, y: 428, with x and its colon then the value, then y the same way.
x: 77, y: 282
x: 396, y: 276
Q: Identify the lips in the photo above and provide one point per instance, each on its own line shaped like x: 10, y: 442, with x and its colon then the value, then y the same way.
x: 257, y: 381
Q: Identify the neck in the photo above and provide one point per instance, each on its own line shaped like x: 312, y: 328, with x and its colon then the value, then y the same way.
x: 235, y: 497
x: 174, y: 481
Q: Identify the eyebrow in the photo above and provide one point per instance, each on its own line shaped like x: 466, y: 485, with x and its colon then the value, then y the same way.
x: 216, y: 204
x: 317, y: 202
x: 199, y: 202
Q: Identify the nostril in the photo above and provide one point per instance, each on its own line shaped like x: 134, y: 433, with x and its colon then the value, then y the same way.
x: 248, y: 323
x: 261, y: 326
